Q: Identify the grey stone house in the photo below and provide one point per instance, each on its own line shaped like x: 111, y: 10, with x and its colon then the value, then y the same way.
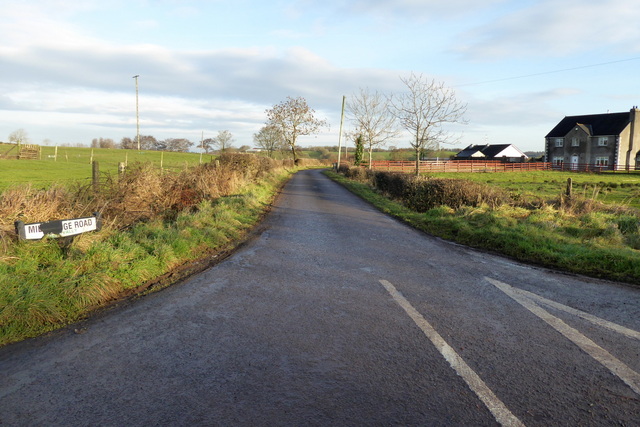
x: 596, y: 141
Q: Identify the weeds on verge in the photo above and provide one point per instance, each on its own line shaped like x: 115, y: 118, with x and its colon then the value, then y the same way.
x: 153, y: 222
x: 575, y: 234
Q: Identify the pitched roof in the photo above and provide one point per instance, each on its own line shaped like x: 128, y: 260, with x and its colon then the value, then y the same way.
x: 494, y: 150
x: 598, y: 124
x: 470, y: 151
x: 490, y: 151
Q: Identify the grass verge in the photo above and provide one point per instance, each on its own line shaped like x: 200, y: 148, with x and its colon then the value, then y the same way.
x: 44, y: 287
x: 602, y: 244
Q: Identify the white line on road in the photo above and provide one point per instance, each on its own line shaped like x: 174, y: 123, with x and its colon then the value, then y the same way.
x: 590, y: 317
x: 500, y: 412
x: 618, y: 368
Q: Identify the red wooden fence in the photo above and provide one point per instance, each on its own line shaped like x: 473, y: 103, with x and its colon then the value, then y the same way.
x: 458, y: 166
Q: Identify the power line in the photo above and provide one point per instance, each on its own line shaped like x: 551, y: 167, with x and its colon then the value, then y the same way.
x: 549, y: 72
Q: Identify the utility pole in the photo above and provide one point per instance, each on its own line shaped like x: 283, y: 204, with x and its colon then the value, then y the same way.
x: 340, y: 135
x: 201, y: 146
x: 137, y: 115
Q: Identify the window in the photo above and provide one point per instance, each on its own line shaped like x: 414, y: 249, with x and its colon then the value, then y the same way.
x: 559, y: 142
x: 602, y: 161
x: 603, y: 141
x: 559, y: 161
x: 575, y: 142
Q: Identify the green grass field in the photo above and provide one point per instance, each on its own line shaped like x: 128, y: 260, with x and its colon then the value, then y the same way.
x: 620, y: 188
x: 75, y: 164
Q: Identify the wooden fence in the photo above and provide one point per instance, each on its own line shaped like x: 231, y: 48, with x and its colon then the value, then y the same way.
x: 22, y: 151
x: 584, y: 167
x: 458, y: 166
x: 29, y: 151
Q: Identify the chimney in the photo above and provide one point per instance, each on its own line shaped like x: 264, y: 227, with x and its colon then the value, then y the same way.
x: 634, y: 136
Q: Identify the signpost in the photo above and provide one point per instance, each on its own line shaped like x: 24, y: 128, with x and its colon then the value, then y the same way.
x: 59, y: 228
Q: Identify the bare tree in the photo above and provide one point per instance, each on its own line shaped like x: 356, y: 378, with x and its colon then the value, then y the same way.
x: 177, y: 144
x: 102, y: 143
x: 294, y: 118
x: 423, y: 109
x: 127, y: 143
x: 269, y: 138
x: 19, y: 137
x: 147, y: 142
x: 107, y: 143
x: 207, y: 145
x: 370, y: 113
x: 223, y: 140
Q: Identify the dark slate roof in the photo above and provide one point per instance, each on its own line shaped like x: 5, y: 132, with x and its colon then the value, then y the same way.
x: 470, y: 150
x: 494, y: 150
x: 599, y: 124
x: 489, y: 151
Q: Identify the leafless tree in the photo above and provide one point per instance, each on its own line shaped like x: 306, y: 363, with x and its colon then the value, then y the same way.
x: 207, y: 145
x: 19, y: 137
x: 127, y: 143
x: 294, y: 118
x: 107, y: 143
x: 423, y: 109
x: 370, y: 114
x: 269, y: 138
x: 102, y: 143
x: 223, y: 140
x: 147, y: 142
x: 177, y: 144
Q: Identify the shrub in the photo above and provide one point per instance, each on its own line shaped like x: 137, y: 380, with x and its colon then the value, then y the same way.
x: 142, y: 193
x: 304, y: 162
x: 392, y: 184
x: 356, y: 173
x: 250, y: 165
x: 422, y: 194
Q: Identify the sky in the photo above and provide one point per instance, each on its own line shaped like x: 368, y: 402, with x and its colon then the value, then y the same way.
x: 67, y: 67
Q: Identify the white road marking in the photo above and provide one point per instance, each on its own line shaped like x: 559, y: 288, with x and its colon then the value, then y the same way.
x: 617, y: 367
x: 590, y: 317
x: 500, y: 412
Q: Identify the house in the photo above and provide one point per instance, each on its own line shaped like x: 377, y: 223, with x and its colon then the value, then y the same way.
x: 502, y: 152
x: 610, y: 141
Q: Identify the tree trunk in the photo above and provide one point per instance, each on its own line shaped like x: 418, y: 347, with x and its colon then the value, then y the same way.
x: 417, y: 161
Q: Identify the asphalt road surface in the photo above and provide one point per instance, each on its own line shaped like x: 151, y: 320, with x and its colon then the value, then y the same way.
x: 338, y: 315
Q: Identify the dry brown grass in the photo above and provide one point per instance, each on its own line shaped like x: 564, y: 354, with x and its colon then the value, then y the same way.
x: 28, y: 204
x: 141, y: 193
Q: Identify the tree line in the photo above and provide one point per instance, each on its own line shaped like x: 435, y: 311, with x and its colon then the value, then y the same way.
x: 222, y: 142
x: 420, y: 110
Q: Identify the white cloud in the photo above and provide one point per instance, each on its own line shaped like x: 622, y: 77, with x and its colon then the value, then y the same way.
x: 557, y: 27
x: 422, y: 8
x: 521, y: 109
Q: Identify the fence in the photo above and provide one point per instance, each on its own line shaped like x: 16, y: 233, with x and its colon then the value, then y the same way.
x: 458, y: 166
x: 585, y: 167
x: 19, y: 151
x: 8, y: 151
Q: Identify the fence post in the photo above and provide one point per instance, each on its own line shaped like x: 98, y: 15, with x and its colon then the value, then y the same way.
x: 569, y: 187
x: 95, y: 176
x: 121, y: 168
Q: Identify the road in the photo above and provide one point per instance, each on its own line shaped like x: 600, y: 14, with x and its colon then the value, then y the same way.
x: 339, y: 315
